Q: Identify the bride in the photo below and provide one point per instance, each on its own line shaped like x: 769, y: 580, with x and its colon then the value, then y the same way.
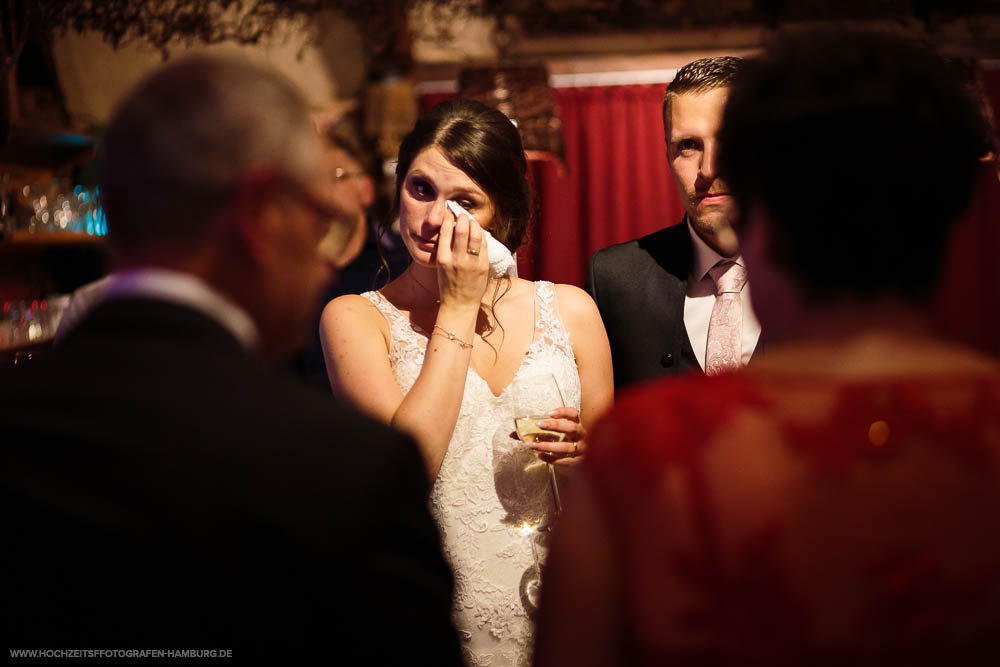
x: 436, y: 352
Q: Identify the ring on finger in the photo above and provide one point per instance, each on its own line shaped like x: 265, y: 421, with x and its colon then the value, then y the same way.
x: 576, y: 449
x: 471, y: 251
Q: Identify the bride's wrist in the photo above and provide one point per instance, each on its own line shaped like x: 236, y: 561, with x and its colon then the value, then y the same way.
x: 451, y: 336
x: 452, y: 314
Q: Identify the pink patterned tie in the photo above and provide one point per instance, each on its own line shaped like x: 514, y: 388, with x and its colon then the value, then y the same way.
x: 725, y: 328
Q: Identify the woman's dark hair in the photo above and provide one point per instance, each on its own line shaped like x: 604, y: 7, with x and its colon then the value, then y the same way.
x: 861, y: 149
x: 486, y: 146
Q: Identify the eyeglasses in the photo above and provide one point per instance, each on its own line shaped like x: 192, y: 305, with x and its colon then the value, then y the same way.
x: 321, y: 208
x: 335, y: 227
x: 340, y: 174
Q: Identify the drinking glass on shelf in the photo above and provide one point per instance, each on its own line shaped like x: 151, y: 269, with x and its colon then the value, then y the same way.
x: 7, y: 219
x: 41, y: 217
x: 22, y: 357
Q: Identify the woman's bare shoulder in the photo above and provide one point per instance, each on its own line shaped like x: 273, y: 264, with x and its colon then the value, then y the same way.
x: 352, y: 308
x: 575, y: 304
x: 351, y: 301
x: 572, y: 292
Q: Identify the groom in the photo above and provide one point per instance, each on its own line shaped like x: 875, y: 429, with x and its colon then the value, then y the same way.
x: 165, y: 488
x: 657, y: 294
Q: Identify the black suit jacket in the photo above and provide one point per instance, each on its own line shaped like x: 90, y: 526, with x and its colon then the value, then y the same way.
x: 168, y: 490
x: 639, y: 287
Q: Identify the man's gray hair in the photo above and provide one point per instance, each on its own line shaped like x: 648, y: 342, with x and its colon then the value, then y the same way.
x: 180, y: 144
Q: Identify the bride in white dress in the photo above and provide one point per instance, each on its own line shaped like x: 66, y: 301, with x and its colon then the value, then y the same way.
x: 435, y: 353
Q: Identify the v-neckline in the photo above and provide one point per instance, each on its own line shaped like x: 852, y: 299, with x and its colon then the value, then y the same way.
x: 416, y: 328
x: 517, y: 371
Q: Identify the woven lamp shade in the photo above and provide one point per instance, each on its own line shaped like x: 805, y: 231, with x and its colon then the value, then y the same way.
x: 523, y: 94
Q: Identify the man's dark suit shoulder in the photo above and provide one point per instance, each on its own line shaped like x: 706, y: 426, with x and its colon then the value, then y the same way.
x: 227, y: 505
x: 639, y: 288
x: 669, y: 249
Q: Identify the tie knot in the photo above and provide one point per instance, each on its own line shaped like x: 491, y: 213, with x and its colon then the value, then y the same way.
x: 729, y: 277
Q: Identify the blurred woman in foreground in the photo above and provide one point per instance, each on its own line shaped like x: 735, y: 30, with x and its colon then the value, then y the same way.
x: 838, y: 501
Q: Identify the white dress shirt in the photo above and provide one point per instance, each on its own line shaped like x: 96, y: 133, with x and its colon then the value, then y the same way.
x: 181, y: 288
x: 700, y: 299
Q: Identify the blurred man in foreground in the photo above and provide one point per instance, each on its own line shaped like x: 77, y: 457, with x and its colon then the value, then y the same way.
x: 167, y: 489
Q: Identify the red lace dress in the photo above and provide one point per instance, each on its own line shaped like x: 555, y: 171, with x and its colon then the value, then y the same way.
x: 772, y: 519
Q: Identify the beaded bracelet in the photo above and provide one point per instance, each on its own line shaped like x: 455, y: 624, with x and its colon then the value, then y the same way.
x: 452, y: 337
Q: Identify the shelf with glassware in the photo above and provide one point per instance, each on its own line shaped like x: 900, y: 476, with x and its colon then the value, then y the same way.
x: 36, y: 278
x: 51, y: 238
x: 39, y: 210
x: 24, y: 241
x: 29, y: 326
x: 38, y: 272
x: 51, y: 226
x: 49, y: 205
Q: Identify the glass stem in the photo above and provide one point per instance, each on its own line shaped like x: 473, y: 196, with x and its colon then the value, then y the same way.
x: 534, y: 554
x: 555, y: 488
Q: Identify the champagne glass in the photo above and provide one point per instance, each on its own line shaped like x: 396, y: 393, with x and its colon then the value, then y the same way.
x: 534, y: 398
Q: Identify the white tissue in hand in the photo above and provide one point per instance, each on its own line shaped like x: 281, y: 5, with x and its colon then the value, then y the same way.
x: 501, y: 261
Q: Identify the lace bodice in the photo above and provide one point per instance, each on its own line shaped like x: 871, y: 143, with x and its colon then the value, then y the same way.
x: 488, y: 494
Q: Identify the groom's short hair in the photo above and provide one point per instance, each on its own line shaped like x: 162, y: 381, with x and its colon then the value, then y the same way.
x: 699, y: 76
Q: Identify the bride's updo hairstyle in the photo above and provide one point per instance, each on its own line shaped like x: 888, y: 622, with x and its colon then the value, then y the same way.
x: 486, y: 146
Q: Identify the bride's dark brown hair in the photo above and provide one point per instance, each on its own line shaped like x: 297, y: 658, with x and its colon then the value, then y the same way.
x: 486, y: 146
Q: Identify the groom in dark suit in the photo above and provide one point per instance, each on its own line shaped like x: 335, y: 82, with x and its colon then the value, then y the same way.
x: 654, y: 293
x: 168, y: 490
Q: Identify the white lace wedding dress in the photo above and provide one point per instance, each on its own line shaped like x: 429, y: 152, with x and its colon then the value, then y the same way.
x: 490, y: 490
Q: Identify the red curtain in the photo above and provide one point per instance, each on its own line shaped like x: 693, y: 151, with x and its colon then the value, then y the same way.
x: 613, y: 186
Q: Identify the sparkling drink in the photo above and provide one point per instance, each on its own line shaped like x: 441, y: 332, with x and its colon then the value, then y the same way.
x: 528, y: 430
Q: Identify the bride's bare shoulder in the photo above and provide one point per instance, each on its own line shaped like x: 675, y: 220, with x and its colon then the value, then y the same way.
x: 576, y: 304
x: 352, y: 309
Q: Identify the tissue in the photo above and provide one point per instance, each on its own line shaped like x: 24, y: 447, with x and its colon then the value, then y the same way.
x: 501, y: 261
